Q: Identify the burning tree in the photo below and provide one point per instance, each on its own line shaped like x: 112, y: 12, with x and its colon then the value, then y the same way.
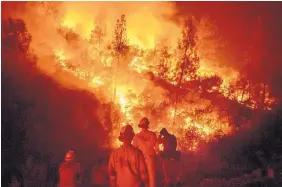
x: 210, y: 84
x: 97, y: 37
x: 165, y: 62
x: 15, y: 53
x: 254, y: 90
x: 177, y: 89
x: 96, y: 41
x: 14, y: 32
x: 120, y: 47
x: 187, y: 58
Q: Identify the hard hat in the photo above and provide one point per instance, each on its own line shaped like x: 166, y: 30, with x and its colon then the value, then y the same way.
x: 163, y: 131
x: 126, y: 132
x: 69, y: 156
x: 144, y: 123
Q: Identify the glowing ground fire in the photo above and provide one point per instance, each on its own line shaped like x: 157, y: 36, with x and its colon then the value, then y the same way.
x: 112, y: 56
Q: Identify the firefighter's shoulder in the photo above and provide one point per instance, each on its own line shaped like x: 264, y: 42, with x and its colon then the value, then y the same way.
x: 140, y: 136
x: 152, y: 133
x: 137, y: 134
x: 63, y: 164
x: 173, y: 136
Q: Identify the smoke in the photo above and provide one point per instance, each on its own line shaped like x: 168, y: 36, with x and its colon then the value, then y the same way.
x: 145, y: 21
x: 60, y: 39
x: 148, y: 23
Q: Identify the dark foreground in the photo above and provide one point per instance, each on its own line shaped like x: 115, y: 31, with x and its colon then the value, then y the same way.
x: 45, y: 174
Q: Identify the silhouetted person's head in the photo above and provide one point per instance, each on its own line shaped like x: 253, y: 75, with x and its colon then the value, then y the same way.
x: 126, y: 134
x: 70, y: 156
x: 144, y: 123
x: 164, y: 132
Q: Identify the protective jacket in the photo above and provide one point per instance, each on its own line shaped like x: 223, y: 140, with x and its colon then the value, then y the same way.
x: 69, y: 173
x: 170, y: 144
x: 127, y: 167
x: 147, y: 142
x: 99, y: 175
x: 171, y: 160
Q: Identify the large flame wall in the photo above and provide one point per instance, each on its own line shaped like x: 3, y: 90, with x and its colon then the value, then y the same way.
x: 61, y: 39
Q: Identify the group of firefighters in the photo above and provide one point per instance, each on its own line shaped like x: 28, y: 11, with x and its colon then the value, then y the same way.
x: 133, y: 164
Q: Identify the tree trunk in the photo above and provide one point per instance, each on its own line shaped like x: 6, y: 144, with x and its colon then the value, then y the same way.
x: 243, y: 92
x: 262, y: 103
x: 118, y: 51
x: 175, y: 108
x: 115, y: 80
x: 180, y: 81
x: 249, y: 90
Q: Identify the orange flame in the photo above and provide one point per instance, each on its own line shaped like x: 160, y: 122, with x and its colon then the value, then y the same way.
x: 146, y: 29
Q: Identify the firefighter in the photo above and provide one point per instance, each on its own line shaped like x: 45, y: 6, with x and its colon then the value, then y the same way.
x: 147, y: 142
x: 99, y: 175
x: 127, y: 166
x: 69, y: 171
x: 170, y: 158
x: 270, y: 176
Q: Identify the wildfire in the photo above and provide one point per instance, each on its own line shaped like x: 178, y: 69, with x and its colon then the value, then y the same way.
x: 61, y: 57
x: 97, y: 81
x: 192, y: 119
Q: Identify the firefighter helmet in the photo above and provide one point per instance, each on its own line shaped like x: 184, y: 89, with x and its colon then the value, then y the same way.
x: 126, y: 132
x: 163, y: 131
x: 144, y: 123
x: 69, y: 156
